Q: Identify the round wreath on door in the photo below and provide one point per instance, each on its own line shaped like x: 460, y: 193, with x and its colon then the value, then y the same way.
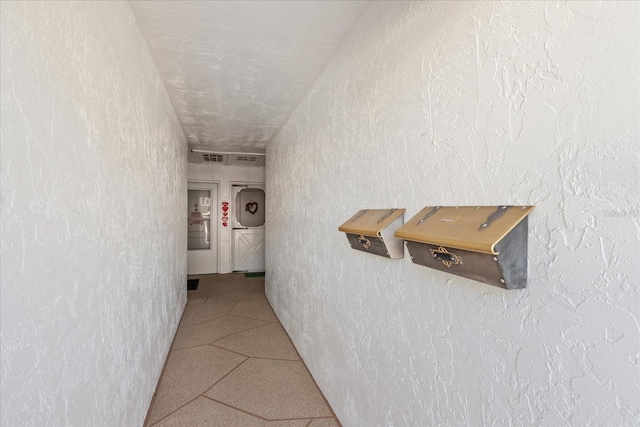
x: 251, y: 207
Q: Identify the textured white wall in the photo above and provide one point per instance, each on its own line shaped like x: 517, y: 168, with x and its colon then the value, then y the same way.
x: 225, y: 176
x: 465, y: 103
x: 93, y: 226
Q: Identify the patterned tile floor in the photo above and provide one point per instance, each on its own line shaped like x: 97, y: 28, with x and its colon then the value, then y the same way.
x: 232, y: 364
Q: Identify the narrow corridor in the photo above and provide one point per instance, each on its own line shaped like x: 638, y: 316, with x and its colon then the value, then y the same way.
x: 232, y: 364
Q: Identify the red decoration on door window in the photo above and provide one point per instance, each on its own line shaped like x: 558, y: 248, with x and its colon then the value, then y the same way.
x: 196, y: 216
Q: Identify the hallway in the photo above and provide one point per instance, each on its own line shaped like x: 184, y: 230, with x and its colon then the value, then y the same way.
x: 232, y: 363
x: 110, y: 110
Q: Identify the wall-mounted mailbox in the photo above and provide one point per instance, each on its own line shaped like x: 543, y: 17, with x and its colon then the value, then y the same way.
x: 372, y: 231
x: 483, y: 243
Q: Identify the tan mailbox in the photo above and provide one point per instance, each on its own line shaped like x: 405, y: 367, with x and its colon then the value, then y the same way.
x: 483, y: 243
x: 372, y: 231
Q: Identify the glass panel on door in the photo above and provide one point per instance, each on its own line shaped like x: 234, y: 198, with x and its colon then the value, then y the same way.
x: 199, y: 210
x: 250, y: 207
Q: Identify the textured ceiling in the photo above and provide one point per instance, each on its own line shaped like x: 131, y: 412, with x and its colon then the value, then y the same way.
x: 236, y: 69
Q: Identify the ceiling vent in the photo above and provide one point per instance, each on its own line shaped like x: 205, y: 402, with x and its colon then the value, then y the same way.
x: 213, y: 158
x: 228, y: 159
x: 246, y: 160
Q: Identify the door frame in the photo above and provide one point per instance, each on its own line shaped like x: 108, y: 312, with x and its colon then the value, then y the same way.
x: 217, y: 210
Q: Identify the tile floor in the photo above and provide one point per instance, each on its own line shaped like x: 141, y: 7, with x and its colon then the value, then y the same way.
x: 232, y: 364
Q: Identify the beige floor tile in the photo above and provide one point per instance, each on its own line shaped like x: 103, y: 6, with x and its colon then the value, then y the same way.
x: 230, y: 286
x: 324, y: 422
x: 260, y: 310
x: 189, y: 373
x: 205, y: 412
x: 200, y: 313
x: 232, y: 313
x: 241, y: 291
x: 197, y: 297
x: 273, y: 389
x: 208, y: 332
x: 269, y: 341
x: 286, y: 423
x: 231, y: 279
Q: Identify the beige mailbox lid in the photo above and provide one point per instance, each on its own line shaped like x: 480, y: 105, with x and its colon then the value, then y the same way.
x: 471, y: 228
x: 370, y: 222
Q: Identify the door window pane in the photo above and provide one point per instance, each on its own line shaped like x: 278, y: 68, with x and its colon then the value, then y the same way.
x: 199, y: 211
x: 250, y: 207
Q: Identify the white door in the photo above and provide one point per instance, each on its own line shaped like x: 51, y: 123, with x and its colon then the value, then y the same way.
x: 202, y: 242
x: 247, y: 221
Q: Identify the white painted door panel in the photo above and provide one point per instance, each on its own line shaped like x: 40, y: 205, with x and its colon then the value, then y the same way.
x: 202, y: 241
x: 248, y: 250
x: 248, y: 227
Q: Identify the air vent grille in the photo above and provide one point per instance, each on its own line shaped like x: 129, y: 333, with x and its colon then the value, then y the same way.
x: 247, y: 158
x: 228, y: 159
x: 213, y: 158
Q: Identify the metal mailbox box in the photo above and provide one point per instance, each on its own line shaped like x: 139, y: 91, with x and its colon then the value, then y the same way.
x: 483, y: 243
x: 372, y: 231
